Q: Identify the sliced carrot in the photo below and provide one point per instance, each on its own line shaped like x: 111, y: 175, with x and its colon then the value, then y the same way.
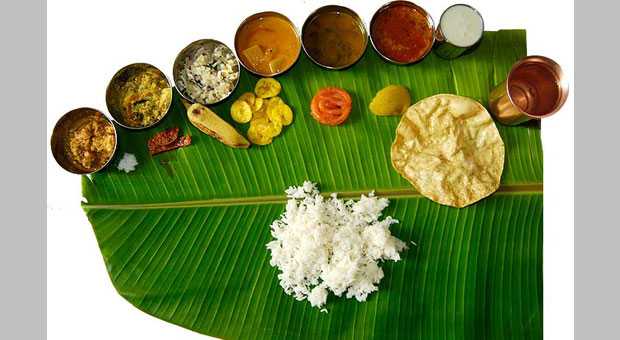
x: 331, y: 106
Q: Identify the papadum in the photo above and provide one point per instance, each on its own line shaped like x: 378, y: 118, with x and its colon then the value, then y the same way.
x: 449, y: 149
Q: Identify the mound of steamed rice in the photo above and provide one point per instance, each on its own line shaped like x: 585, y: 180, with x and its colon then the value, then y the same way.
x: 324, y: 245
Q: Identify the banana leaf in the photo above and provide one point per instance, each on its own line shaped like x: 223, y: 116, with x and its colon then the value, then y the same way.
x: 183, y: 237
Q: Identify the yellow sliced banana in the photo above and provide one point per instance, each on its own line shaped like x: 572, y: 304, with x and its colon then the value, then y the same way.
x: 267, y: 127
x: 277, y: 110
x: 248, y: 97
x: 260, y: 113
x: 273, y: 113
x: 287, y: 114
x: 267, y: 88
x: 275, y: 128
x: 241, y: 111
x: 255, y: 136
x: 258, y: 104
x: 266, y: 112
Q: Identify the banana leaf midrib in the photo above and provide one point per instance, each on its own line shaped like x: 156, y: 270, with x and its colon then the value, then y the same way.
x: 532, y: 188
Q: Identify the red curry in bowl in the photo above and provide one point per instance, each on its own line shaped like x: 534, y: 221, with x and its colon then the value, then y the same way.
x: 402, y: 32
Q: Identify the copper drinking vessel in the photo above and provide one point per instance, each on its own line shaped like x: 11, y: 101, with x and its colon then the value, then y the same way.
x: 535, y: 88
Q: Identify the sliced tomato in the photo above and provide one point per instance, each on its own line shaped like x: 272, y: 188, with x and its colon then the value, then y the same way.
x: 331, y: 106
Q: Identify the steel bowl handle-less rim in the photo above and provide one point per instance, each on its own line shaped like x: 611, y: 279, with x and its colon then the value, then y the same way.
x: 429, y: 20
x: 190, y: 49
x: 263, y: 14
x: 116, y: 116
x: 326, y: 9
x: 57, y: 141
x: 440, y: 37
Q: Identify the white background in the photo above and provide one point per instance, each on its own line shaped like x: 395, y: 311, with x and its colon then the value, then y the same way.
x: 88, y: 41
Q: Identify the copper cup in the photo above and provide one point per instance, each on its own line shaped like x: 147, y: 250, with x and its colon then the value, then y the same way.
x: 535, y: 88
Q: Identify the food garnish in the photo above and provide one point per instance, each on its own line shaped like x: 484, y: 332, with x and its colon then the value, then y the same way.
x: 167, y: 140
x: 402, y: 32
x: 449, y: 149
x: 127, y: 163
x: 324, y: 245
x: 267, y: 44
x: 144, y: 97
x: 331, y: 106
x: 391, y: 100
x: 90, y: 142
x: 210, y: 123
x: 267, y: 88
x: 334, y: 37
x: 209, y: 74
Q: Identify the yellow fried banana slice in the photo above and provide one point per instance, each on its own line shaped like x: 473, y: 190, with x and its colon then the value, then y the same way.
x: 241, y: 111
x: 267, y: 88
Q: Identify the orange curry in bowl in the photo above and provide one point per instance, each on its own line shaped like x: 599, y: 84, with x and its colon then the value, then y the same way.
x: 267, y: 43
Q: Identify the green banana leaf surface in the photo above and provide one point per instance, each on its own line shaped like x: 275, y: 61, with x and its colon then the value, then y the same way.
x: 183, y: 237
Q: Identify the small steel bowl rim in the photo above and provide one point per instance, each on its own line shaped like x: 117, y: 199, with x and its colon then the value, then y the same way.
x: 327, y: 8
x: 440, y: 33
x: 184, y: 53
x: 119, y: 120
x: 55, y: 135
x: 429, y: 19
x: 253, y: 17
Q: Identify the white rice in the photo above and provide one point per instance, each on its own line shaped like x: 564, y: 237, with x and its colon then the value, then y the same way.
x: 324, y: 245
x: 128, y: 163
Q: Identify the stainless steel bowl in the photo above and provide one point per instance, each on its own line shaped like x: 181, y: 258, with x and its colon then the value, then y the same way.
x: 60, y: 134
x: 330, y: 9
x: 257, y: 16
x: 113, y: 94
x: 429, y: 19
x: 189, y: 51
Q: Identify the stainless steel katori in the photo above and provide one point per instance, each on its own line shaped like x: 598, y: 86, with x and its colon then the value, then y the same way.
x: 60, y: 134
x: 188, y: 52
x: 330, y: 9
x: 113, y: 96
x: 261, y: 16
x: 392, y: 4
x: 445, y: 47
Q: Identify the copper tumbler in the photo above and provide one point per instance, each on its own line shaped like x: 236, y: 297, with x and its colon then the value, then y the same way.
x: 535, y: 88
